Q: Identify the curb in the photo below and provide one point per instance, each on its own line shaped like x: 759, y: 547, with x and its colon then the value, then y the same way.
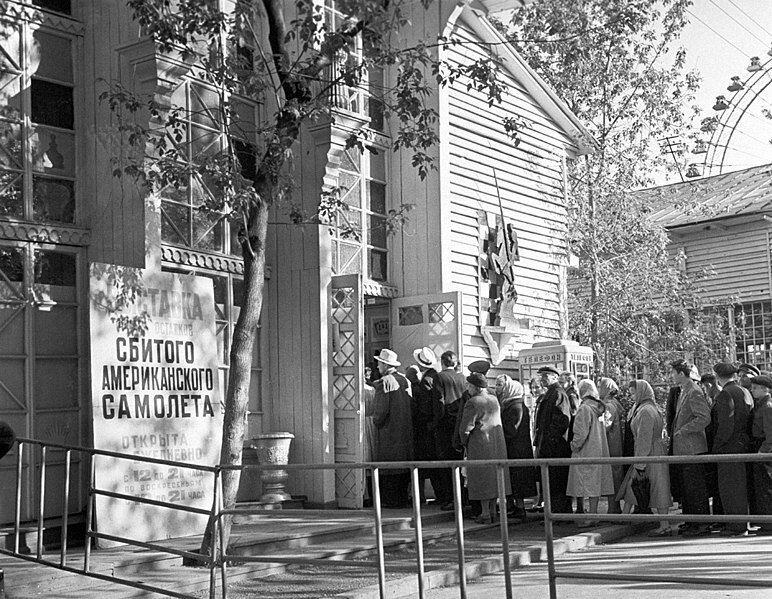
x: 408, y: 586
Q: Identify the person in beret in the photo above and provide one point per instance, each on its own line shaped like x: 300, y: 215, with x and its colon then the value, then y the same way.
x: 692, y: 416
x: 553, y: 418
x: 744, y: 374
x: 449, y: 386
x: 761, y: 389
x: 730, y: 423
x: 483, y: 438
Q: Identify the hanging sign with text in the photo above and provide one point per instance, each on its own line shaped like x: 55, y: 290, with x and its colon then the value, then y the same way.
x: 155, y: 393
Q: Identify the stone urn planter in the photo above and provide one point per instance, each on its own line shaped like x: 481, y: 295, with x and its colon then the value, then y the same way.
x: 273, y: 449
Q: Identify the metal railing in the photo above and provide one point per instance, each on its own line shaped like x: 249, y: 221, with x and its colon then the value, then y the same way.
x: 219, y: 557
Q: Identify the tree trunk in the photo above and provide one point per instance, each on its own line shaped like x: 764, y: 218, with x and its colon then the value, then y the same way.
x: 240, y: 373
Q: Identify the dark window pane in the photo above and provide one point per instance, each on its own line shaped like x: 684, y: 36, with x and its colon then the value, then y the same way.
x: 53, y: 200
x: 208, y: 230
x: 378, y: 264
x: 11, y: 263
x: 175, y: 223
x: 377, y: 231
x: 53, y: 268
x: 377, y: 193
x: 55, y: 5
x: 52, y: 104
x: 375, y: 110
x: 11, y: 203
x: 238, y: 292
x: 54, y: 57
x: 247, y: 159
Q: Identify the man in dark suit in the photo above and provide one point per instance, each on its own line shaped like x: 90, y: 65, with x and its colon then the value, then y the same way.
x: 730, y: 422
x: 553, y: 417
x: 691, y: 418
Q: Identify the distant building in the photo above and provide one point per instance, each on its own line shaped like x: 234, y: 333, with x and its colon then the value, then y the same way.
x: 331, y: 302
x: 720, y: 227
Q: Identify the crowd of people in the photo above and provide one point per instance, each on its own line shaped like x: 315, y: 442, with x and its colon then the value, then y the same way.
x: 434, y: 412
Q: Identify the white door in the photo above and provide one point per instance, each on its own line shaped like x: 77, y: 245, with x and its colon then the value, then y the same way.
x: 426, y: 320
x: 347, y: 314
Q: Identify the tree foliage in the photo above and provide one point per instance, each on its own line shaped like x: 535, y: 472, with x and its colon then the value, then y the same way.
x: 295, y: 59
x: 617, y: 66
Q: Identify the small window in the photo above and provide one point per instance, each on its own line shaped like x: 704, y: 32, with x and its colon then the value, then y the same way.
x: 441, y: 312
x: 410, y: 315
x: 52, y: 104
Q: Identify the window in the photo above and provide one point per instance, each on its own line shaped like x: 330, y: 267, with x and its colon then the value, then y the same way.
x: 37, y: 123
x: 185, y: 219
x: 753, y: 334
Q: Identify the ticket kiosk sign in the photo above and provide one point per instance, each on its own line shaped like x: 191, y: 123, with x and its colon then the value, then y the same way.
x: 155, y: 393
x: 564, y: 355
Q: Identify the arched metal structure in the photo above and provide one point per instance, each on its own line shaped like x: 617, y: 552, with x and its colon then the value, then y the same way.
x: 723, y: 127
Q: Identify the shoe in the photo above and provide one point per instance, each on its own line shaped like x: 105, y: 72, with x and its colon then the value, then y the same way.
x: 588, y: 524
x: 448, y: 507
x: 660, y: 532
x: 483, y: 520
x: 696, y: 531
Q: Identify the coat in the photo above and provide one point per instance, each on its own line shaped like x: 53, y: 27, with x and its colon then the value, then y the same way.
x: 589, y: 441
x: 516, y: 420
x: 614, y: 428
x: 393, y: 420
x: 692, y: 416
x: 553, y: 416
x: 423, y: 435
x: 731, y: 416
x: 449, y: 386
x: 481, y: 425
x: 647, y: 425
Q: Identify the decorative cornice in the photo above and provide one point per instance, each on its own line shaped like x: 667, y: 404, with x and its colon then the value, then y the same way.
x: 44, y: 233
x: 21, y: 12
x: 379, y: 289
x: 188, y: 257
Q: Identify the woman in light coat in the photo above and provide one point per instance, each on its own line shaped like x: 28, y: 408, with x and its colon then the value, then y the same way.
x: 589, y: 441
x: 647, y: 425
x: 483, y: 437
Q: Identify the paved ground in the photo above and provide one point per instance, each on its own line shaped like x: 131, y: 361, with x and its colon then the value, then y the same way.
x: 715, y: 557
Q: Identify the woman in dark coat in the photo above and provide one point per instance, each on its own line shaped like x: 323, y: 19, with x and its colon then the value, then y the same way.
x: 483, y: 437
x: 516, y: 420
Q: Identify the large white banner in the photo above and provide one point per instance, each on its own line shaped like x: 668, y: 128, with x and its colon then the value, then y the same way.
x: 155, y: 393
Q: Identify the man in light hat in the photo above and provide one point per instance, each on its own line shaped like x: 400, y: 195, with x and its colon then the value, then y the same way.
x: 692, y: 416
x: 730, y: 420
x: 423, y: 405
x: 761, y: 389
x: 553, y: 417
x: 393, y: 429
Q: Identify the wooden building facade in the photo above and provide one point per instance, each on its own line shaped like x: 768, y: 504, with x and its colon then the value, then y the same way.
x: 330, y: 302
x: 719, y: 230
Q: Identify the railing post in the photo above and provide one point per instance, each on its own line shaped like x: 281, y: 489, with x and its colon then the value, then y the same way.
x: 504, y: 528
x: 419, y: 545
x: 213, y: 518
x: 17, y: 515
x: 89, y: 511
x: 545, y: 490
x: 459, y: 530
x: 66, y: 507
x: 221, y: 533
x: 41, y: 500
x: 379, y: 532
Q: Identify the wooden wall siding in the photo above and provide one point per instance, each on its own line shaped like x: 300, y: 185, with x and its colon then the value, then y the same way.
x: 414, y: 253
x: 530, y: 179
x: 296, y: 306
x: 738, y: 258
x: 114, y: 210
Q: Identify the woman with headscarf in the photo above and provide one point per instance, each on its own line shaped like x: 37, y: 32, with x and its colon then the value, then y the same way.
x: 646, y: 424
x: 589, y: 441
x: 483, y: 437
x: 613, y: 420
x: 516, y: 420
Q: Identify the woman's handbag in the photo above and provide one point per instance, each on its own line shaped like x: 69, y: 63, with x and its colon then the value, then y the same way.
x: 641, y: 487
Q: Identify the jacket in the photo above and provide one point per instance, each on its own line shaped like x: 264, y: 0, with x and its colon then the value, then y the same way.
x: 692, y: 415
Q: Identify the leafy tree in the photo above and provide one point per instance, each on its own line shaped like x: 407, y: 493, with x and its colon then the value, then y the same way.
x: 615, y: 64
x: 295, y: 60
